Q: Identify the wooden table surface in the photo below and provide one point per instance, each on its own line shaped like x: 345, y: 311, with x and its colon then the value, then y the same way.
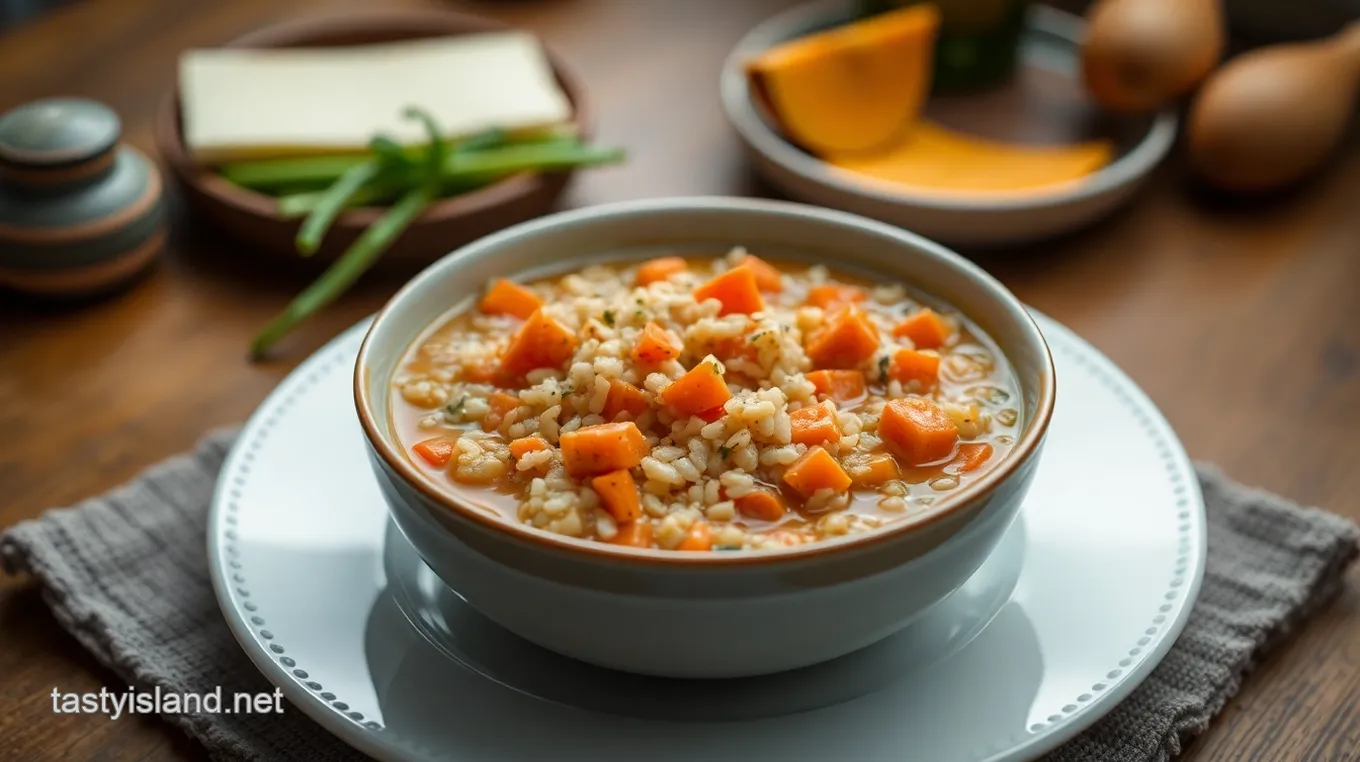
x: 1241, y: 321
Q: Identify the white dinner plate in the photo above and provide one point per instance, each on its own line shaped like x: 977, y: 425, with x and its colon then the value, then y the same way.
x: 1083, y: 597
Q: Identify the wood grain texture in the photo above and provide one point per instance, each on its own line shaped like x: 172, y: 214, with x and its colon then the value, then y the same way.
x: 1241, y: 321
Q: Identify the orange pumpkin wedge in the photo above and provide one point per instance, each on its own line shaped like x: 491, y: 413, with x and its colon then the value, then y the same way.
x: 935, y: 159
x: 852, y: 88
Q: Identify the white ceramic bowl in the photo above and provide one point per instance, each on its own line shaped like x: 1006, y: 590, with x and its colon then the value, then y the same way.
x: 709, y: 614
x: 1051, y: 42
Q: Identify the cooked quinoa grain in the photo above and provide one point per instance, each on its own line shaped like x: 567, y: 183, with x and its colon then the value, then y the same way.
x: 729, y: 404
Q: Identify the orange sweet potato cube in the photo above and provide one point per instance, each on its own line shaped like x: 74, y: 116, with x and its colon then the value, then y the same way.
x: 925, y: 328
x: 839, y: 385
x: 816, y: 470
x: 917, y: 431
x: 600, y: 449
x: 831, y: 296
x: 876, y: 470
x: 619, y: 495
x: 847, y: 341
x: 623, y: 397
x: 814, y: 425
x: 540, y: 343
x: 508, y: 298
x: 661, y: 268
x: 698, y: 392
x: 767, y: 275
x: 912, y: 365
x: 655, y: 345
x: 736, y: 290
x: 762, y: 504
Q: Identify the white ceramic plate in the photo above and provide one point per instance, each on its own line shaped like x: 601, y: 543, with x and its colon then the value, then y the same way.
x: 1083, y: 597
x: 1050, y: 43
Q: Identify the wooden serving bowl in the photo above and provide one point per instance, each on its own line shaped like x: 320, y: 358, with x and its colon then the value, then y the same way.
x: 449, y: 223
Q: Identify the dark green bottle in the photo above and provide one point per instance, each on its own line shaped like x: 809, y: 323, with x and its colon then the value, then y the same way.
x: 978, y: 44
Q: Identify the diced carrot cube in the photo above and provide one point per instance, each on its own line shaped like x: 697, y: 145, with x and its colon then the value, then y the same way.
x: 623, y: 397
x: 654, y: 270
x: 636, y: 534
x: 917, y: 431
x: 508, y: 298
x: 619, y: 495
x: 599, y: 449
x: 762, y: 504
x: 767, y: 275
x: 735, y: 289
x: 501, y: 404
x: 437, y: 451
x: 656, y: 345
x: 970, y: 457
x: 816, y: 470
x: 847, y: 341
x: 699, y: 537
x: 839, y: 385
x: 926, y: 329
x: 540, y: 343
x: 525, y: 445
x: 912, y: 365
x: 814, y: 425
x: 834, y: 296
x: 697, y: 392
x: 876, y: 470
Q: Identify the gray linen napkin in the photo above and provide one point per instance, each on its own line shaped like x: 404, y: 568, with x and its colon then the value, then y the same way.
x: 126, y: 573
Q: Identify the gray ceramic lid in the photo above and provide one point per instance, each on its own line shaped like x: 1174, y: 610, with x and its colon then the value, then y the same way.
x: 57, y: 131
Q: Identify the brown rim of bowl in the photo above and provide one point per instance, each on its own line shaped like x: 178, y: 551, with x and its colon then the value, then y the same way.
x: 1023, y: 450
x: 299, y: 32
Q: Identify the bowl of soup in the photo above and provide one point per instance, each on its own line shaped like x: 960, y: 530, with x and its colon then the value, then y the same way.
x: 704, y: 437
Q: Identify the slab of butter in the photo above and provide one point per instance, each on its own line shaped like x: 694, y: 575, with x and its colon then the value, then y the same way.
x: 247, y: 104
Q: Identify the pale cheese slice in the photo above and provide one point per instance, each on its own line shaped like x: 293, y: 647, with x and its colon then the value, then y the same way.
x: 244, y: 104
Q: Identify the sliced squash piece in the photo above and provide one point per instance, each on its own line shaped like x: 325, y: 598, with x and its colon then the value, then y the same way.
x: 937, y: 159
x: 852, y: 88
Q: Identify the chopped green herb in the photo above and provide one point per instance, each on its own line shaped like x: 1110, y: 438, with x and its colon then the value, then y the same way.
x: 609, y: 318
x: 724, y: 451
x: 727, y: 547
x: 639, y: 314
x: 455, y: 409
x: 883, y: 368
